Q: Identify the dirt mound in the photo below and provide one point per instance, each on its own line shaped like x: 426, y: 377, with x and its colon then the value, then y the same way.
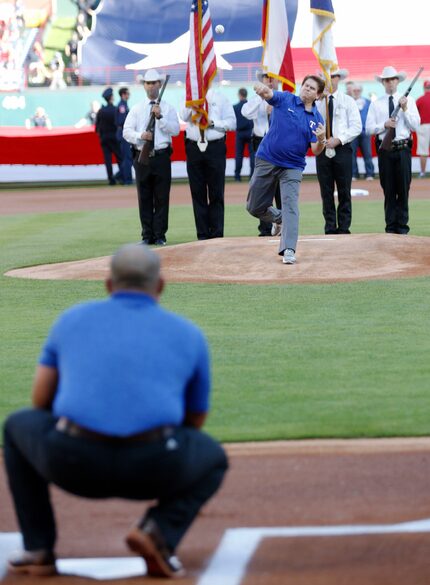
x: 320, y: 259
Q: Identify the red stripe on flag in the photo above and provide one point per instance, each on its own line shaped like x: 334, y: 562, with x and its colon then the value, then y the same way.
x: 264, y: 21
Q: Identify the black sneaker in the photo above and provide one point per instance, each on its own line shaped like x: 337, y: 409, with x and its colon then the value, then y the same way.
x: 148, y: 542
x: 39, y: 563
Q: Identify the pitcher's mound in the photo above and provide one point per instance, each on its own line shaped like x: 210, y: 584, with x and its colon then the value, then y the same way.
x: 320, y: 259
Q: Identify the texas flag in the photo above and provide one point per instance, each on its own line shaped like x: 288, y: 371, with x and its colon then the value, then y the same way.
x: 322, y: 37
x: 279, y: 17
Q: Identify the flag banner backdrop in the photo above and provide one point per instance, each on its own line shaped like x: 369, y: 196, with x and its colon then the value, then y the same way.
x: 322, y: 37
x: 201, y: 67
x: 278, y: 19
x: 131, y: 36
x: 135, y: 35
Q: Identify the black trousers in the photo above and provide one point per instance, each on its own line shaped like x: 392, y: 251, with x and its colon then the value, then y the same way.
x: 264, y: 227
x: 181, y: 472
x: 206, y: 174
x: 331, y: 171
x: 243, y: 139
x: 153, y: 192
x: 395, y: 174
x: 110, y: 146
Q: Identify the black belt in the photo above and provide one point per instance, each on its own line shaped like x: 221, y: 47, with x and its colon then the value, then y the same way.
x: 209, y: 141
x: 68, y: 427
x: 162, y: 151
x: 396, y: 144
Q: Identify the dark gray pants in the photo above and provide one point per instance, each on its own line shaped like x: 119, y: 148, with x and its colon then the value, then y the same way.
x: 181, y: 472
x: 260, y: 199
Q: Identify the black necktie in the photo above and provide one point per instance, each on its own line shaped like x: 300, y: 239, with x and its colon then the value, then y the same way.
x: 391, y: 108
x: 329, y: 128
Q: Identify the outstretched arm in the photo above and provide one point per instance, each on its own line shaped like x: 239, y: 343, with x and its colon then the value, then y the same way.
x: 263, y: 91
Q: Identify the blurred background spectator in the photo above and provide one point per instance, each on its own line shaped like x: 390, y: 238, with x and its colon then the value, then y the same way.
x: 90, y: 117
x: 39, y: 120
x: 363, y: 140
x: 57, y: 72
x: 37, y: 73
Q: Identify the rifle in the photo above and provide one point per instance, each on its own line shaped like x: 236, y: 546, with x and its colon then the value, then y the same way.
x: 148, y: 145
x: 389, y: 135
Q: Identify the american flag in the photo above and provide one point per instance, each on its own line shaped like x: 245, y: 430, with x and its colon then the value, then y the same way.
x: 278, y: 26
x: 201, y: 67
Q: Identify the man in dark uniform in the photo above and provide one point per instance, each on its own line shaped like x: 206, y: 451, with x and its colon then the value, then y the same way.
x: 120, y: 394
x: 334, y: 165
x: 244, y: 129
x: 395, y: 165
x: 153, y: 180
x: 121, y: 114
x: 106, y: 129
x: 206, y: 162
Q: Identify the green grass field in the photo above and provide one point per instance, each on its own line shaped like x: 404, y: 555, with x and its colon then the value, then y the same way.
x: 289, y: 361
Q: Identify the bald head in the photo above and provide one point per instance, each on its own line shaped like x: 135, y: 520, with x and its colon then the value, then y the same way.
x: 135, y: 266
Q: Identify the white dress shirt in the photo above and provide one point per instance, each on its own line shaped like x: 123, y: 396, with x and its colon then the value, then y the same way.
x: 406, y: 121
x: 220, y: 111
x: 137, y: 122
x: 346, y: 116
x: 256, y: 110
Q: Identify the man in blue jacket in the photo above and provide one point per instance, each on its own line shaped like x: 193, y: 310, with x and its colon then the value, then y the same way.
x: 295, y: 125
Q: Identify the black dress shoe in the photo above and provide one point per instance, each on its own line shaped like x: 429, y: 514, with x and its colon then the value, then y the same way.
x: 147, y: 241
x: 40, y: 563
x: 160, y: 242
x: 331, y: 232
x: 112, y: 182
x: 148, y: 542
x: 339, y: 231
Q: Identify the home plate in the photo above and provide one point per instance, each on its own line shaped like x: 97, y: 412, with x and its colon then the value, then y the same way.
x: 103, y: 568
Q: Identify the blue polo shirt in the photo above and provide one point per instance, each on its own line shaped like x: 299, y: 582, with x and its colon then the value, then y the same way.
x: 290, y: 131
x: 127, y: 365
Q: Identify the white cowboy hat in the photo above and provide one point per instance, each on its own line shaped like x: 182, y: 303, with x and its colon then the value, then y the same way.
x: 389, y: 72
x: 153, y: 75
x: 259, y: 74
x: 342, y: 73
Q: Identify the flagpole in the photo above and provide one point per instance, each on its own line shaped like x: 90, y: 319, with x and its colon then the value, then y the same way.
x: 327, y: 119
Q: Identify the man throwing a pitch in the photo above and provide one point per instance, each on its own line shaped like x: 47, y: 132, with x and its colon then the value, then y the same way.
x: 295, y: 124
x: 119, y: 396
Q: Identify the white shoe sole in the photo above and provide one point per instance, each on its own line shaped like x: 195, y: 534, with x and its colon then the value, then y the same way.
x: 288, y: 260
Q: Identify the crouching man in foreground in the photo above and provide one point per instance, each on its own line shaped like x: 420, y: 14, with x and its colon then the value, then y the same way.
x: 120, y: 394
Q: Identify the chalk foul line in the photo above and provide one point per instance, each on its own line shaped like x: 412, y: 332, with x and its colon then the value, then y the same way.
x: 238, y: 545
x: 229, y: 562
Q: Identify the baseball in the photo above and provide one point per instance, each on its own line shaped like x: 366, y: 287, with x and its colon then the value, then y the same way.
x: 219, y: 29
